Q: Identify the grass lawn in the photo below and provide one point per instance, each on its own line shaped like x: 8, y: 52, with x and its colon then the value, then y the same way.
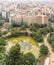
x: 32, y: 45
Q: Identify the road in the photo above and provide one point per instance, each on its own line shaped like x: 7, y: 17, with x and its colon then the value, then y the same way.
x: 51, y: 55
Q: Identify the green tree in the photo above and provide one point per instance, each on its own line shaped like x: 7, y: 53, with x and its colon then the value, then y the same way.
x: 2, y: 41
x: 43, y: 31
x: 14, y: 55
x: 33, y: 27
x: 2, y: 55
x: 2, y: 49
x: 37, y: 36
x: 29, y: 59
x: 1, y: 23
x: 51, y: 39
x: 43, y: 50
x: 0, y: 33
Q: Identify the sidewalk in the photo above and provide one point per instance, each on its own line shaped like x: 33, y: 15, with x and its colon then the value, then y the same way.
x: 51, y: 55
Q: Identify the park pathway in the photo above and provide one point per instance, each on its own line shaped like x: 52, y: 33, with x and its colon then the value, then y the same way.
x: 51, y: 53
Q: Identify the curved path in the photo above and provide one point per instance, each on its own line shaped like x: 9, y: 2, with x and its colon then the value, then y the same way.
x: 51, y: 54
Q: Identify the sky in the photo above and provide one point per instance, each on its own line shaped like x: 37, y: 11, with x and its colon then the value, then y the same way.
x: 26, y: 0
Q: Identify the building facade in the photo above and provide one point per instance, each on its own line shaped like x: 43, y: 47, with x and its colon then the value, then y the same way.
x: 39, y: 19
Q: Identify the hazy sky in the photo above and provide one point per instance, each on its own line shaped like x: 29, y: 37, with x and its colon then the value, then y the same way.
x: 25, y: 0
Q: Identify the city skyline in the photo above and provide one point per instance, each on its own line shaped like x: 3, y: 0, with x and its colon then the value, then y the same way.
x: 26, y: 0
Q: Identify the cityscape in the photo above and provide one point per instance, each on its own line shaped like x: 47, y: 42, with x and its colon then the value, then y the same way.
x: 26, y: 32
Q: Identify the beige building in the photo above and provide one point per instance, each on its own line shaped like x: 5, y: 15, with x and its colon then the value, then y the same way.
x: 42, y: 19
x: 39, y: 19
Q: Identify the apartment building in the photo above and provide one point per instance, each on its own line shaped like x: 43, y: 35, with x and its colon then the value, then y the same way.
x: 39, y: 19
x: 42, y: 19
